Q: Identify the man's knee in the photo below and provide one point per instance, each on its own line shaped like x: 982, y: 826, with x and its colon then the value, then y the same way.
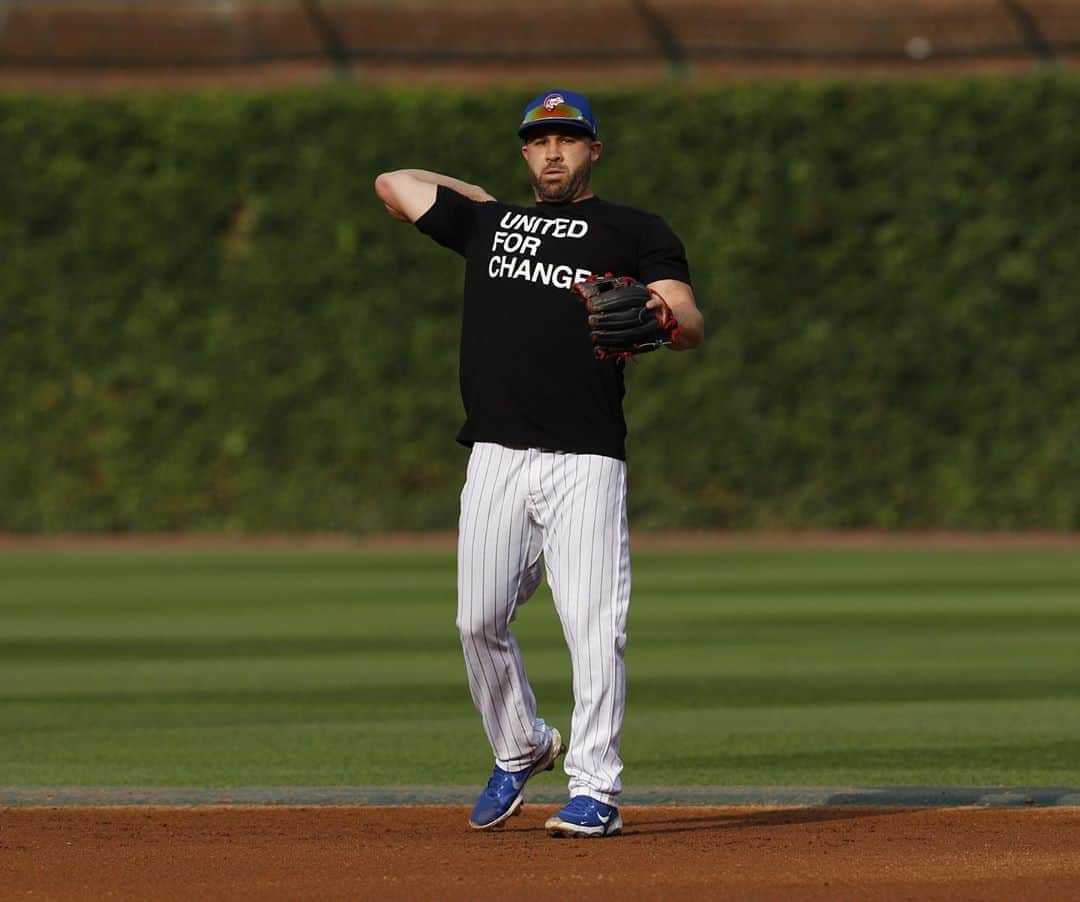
x: 475, y: 625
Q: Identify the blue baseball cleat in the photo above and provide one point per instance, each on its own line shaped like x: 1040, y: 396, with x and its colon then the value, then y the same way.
x: 585, y: 816
x: 503, y: 795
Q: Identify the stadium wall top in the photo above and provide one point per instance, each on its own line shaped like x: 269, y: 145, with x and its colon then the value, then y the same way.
x: 80, y: 43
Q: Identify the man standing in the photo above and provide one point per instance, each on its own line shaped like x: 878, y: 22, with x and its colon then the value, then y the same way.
x: 547, y: 473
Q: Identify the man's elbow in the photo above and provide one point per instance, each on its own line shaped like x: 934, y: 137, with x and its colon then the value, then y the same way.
x: 691, y: 333
x: 388, y: 188
x: 699, y: 333
x: 384, y: 187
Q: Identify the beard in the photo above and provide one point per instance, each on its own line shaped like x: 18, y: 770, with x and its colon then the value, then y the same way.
x: 563, y: 189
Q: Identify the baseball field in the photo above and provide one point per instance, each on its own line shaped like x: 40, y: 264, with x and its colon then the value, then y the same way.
x: 785, y: 678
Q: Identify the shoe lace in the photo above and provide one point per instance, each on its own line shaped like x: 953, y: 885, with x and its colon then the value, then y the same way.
x: 495, y: 783
x: 580, y: 806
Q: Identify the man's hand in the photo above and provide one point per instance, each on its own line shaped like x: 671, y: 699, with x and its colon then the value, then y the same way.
x: 408, y: 194
x: 625, y: 317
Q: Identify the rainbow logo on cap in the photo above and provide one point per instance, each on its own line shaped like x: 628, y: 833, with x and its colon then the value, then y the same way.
x: 559, y: 107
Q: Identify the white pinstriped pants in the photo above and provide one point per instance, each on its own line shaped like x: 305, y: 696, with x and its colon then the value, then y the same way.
x: 571, y: 508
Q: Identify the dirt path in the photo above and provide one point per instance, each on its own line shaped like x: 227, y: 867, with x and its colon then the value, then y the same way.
x: 429, y: 853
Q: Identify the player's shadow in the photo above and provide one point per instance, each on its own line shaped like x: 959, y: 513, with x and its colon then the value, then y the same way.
x: 719, y: 822
x: 655, y: 820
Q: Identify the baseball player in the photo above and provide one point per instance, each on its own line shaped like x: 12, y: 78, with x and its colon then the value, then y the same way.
x: 542, y: 384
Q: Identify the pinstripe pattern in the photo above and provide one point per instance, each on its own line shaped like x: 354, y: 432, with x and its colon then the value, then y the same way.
x: 571, y: 508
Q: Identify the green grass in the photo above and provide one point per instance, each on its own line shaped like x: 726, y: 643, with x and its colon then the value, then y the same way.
x: 320, y: 668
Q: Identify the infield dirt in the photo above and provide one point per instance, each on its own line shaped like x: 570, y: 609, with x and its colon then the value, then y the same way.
x: 429, y: 853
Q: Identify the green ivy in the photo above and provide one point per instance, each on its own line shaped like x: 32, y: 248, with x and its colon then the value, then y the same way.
x: 209, y: 323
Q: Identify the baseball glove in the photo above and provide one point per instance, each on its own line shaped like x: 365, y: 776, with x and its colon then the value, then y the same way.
x: 620, y: 323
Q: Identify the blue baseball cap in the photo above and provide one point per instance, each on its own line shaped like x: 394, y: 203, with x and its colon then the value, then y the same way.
x: 558, y: 108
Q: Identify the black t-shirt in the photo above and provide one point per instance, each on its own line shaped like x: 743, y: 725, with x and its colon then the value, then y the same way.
x: 528, y: 375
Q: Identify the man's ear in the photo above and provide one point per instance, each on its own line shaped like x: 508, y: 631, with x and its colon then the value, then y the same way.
x: 597, y: 149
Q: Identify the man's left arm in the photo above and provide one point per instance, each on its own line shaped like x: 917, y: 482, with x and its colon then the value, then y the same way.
x: 680, y: 298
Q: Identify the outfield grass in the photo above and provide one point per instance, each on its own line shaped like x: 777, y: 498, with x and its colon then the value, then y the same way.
x: 323, y: 668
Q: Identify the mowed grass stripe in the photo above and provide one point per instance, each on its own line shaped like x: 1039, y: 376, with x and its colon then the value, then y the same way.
x: 316, y: 668
x: 656, y: 630
x: 676, y: 693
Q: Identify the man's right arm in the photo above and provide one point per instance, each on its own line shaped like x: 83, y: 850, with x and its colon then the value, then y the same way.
x: 408, y: 194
